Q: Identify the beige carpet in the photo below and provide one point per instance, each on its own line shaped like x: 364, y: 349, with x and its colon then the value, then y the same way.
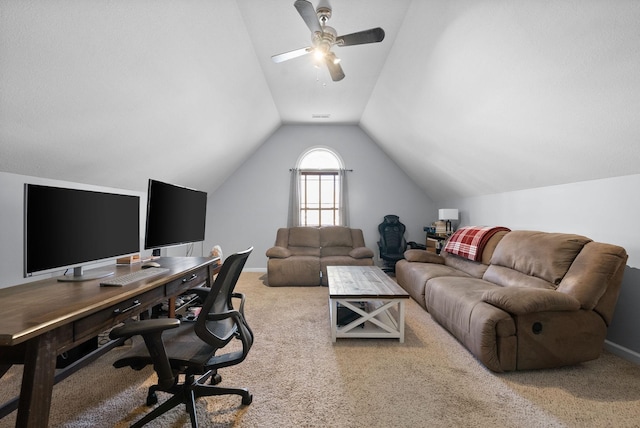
x: 300, y: 379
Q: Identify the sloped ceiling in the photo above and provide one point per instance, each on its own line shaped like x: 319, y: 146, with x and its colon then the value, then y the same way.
x: 113, y: 92
x: 482, y: 97
x: 468, y: 97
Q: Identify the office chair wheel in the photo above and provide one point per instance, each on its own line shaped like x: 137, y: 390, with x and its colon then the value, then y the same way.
x: 216, y: 379
x: 152, y: 399
x: 248, y: 399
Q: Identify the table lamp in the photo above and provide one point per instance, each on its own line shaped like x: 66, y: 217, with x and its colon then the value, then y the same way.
x: 448, y: 214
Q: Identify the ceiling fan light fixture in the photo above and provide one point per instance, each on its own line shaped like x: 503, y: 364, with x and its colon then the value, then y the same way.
x: 324, y: 37
x: 333, y: 58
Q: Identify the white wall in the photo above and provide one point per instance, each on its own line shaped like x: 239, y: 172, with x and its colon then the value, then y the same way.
x: 252, y: 204
x: 604, y: 210
x: 248, y: 208
x: 12, y: 223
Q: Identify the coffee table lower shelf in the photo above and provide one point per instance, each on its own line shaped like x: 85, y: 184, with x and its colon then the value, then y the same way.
x: 376, y: 318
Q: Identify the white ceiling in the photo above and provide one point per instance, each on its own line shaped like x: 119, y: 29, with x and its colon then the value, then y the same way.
x: 468, y: 97
x: 299, y: 89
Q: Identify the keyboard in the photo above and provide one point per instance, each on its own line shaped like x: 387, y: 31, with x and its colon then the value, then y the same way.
x: 129, y: 278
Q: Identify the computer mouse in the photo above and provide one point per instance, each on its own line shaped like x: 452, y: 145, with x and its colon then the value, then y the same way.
x: 150, y: 265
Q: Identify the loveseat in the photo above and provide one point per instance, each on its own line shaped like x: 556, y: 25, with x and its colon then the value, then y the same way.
x: 300, y: 255
x: 519, y: 300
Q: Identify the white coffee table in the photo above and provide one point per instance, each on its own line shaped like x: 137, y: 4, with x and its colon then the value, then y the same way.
x: 352, y: 285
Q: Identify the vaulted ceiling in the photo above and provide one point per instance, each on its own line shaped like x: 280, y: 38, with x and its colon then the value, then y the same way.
x: 468, y: 97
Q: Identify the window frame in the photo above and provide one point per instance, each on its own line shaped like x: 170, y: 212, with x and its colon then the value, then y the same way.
x: 320, y: 206
x: 320, y: 174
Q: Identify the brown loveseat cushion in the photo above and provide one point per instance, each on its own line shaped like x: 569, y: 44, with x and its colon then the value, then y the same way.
x: 304, y: 237
x: 335, y: 236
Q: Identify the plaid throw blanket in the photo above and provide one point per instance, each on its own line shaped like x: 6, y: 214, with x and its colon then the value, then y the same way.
x: 469, y: 242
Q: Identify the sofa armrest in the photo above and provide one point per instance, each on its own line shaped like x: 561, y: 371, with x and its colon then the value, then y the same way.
x: 361, y: 253
x: 522, y: 300
x: 422, y: 256
x: 278, y: 252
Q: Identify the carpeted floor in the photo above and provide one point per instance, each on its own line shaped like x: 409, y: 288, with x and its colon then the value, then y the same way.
x: 300, y: 379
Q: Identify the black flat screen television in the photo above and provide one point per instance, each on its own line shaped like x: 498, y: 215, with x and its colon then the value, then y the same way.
x: 68, y: 228
x: 175, y: 215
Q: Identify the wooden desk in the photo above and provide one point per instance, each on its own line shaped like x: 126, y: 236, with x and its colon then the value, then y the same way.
x: 45, y: 318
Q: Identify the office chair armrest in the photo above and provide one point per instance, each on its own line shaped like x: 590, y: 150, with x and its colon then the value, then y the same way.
x: 201, y: 292
x: 143, y: 327
x: 219, y: 316
x: 242, y: 299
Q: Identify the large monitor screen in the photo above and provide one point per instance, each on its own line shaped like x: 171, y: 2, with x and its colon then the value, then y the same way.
x: 175, y: 215
x: 66, y: 228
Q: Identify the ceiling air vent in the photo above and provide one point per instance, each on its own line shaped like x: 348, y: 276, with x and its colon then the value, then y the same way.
x: 320, y: 116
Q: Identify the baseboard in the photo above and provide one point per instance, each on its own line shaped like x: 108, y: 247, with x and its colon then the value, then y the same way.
x: 622, y: 352
x: 259, y: 270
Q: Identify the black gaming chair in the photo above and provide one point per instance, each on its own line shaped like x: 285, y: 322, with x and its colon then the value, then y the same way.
x: 392, y: 244
x: 190, y: 348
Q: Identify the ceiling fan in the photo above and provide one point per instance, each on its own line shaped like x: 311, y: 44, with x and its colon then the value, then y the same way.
x: 323, y: 38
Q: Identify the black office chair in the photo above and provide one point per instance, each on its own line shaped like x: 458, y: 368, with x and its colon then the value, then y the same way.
x: 392, y: 244
x: 190, y: 348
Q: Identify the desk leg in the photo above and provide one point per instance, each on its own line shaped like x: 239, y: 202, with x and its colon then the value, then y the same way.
x: 172, y: 307
x: 37, y: 381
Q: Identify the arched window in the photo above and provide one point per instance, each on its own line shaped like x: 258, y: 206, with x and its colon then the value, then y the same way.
x: 318, y: 190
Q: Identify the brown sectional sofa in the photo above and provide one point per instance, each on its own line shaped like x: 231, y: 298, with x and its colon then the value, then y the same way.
x: 300, y: 255
x: 531, y: 300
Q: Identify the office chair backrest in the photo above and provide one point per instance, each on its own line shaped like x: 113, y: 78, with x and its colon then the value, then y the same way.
x: 219, y: 332
x: 392, y: 235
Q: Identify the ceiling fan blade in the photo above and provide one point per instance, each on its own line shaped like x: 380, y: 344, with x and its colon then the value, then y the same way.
x: 373, y: 35
x: 308, y: 14
x: 290, y: 55
x: 335, y: 70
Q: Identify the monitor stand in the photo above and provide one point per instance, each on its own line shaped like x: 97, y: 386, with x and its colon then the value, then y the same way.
x: 79, y: 276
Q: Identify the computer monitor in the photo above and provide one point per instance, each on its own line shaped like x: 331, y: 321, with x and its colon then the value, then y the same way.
x: 68, y: 228
x: 175, y: 215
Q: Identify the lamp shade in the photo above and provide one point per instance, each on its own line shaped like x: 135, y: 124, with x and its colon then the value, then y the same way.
x: 448, y: 214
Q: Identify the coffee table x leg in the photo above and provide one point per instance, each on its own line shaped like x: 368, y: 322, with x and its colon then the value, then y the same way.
x: 377, y: 312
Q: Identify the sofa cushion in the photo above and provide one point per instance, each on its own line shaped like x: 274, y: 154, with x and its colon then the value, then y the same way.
x: 522, y: 300
x: 413, y: 276
x: 475, y: 269
x: 547, y: 256
x: 491, y: 245
x: 304, y: 237
x: 335, y: 236
x: 488, y: 331
x: 591, y: 275
x: 422, y: 256
x: 506, y: 277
